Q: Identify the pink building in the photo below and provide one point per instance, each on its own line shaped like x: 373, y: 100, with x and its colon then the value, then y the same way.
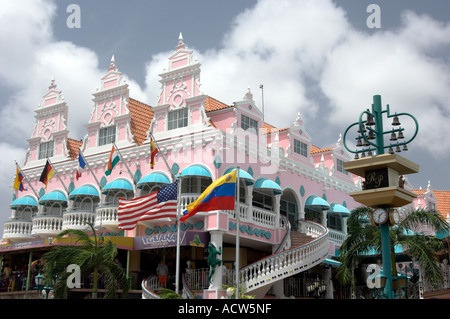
x: 293, y: 195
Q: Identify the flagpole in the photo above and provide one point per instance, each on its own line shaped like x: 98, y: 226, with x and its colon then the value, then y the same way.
x: 237, y: 213
x: 26, y: 178
x: 51, y: 164
x: 152, y: 138
x: 177, y: 264
x: 126, y: 166
x: 89, y: 167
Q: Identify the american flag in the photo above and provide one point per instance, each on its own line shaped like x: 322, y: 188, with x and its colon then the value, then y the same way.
x: 159, y: 204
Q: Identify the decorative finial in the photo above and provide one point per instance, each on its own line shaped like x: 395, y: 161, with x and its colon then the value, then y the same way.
x: 180, y: 38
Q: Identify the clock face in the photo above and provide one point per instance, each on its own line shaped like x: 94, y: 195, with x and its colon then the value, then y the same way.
x: 380, y: 216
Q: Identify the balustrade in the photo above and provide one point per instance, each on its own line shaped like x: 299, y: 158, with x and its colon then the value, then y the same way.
x: 47, y: 225
x: 17, y: 229
x: 74, y: 219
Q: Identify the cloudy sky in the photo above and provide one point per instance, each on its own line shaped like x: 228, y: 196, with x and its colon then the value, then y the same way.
x: 316, y: 57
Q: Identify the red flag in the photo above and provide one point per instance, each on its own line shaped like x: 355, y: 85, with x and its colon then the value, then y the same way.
x: 153, y: 152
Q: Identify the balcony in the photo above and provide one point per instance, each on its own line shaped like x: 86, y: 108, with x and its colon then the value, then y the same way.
x: 16, y: 230
x: 47, y: 225
x: 78, y: 219
x: 106, y: 217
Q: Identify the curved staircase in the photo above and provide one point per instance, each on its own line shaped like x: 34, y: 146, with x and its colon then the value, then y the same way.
x: 297, y: 252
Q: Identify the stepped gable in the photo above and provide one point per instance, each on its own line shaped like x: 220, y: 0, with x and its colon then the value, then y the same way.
x: 141, y: 117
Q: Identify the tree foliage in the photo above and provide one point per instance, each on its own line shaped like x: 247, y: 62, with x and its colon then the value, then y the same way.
x: 364, y: 238
x: 91, y: 254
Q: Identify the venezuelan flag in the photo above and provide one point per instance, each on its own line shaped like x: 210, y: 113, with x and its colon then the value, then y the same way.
x: 220, y: 195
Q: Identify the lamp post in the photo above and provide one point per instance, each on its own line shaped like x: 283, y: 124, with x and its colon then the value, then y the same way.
x: 371, y: 138
x: 39, y: 280
x: 316, y: 287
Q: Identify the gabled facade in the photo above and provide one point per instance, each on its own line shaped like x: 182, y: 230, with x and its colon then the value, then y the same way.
x: 285, y: 178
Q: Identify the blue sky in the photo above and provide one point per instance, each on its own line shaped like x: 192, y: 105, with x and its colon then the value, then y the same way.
x: 316, y: 57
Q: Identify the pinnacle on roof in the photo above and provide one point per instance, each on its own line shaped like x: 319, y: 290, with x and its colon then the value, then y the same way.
x: 181, y: 45
x: 112, y: 65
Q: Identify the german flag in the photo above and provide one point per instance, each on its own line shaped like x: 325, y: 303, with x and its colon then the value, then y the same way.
x: 47, y: 173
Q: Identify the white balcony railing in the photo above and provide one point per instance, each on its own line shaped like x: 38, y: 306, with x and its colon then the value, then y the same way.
x: 17, y: 230
x: 47, y: 226
x: 78, y: 219
x: 106, y: 217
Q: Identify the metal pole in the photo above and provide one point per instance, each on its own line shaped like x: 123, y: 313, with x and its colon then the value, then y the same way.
x: 126, y: 166
x: 29, y: 270
x: 89, y: 168
x: 56, y: 172
x: 177, y: 269
x: 237, y: 212
x: 385, y: 239
x: 28, y: 181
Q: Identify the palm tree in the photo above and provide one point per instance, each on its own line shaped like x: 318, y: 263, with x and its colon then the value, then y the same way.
x: 89, y: 253
x: 364, y: 238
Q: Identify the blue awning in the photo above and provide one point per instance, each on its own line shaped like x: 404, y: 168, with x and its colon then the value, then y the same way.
x: 86, y: 190
x: 196, y: 170
x: 242, y: 174
x: 53, y: 196
x: 264, y: 183
x: 331, y: 262
x: 23, y: 201
x: 117, y: 184
x: 155, y: 177
x: 336, y: 208
x: 317, y: 203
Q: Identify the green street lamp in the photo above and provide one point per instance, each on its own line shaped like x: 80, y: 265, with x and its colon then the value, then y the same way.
x: 371, y: 133
x: 371, y: 140
x: 39, y: 281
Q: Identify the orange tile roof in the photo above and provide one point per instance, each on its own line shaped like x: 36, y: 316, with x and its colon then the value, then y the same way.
x: 141, y: 117
x: 315, y: 149
x: 73, y: 147
x: 442, y: 203
x: 212, y: 104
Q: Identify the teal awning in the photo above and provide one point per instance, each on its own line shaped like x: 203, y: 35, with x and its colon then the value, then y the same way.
x: 317, y: 203
x: 117, y: 184
x: 196, y: 170
x: 155, y: 177
x: 53, y: 196
x: 336, y: 208
x: 86, y: 190
x: 242, y: 174
x: 264, y: 183
x: 23, y: 201
x: 331, y: 262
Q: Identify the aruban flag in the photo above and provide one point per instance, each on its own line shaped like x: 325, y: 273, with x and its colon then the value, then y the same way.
x: 81, y: 165
x: 18, y: 182
x: 46, y: 174
x: 159, y: 204
x: 113, y: 159
x: 153, y: 152
x: 220, y: 195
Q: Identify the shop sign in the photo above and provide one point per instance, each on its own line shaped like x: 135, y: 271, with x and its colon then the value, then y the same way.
x: 188, y: 238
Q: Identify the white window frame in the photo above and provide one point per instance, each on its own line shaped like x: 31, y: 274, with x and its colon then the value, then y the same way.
x: 300, y: 148
x: 105, y: 134
x: 247, y: 123
x: 46, y: 149
x: 177, y: 119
